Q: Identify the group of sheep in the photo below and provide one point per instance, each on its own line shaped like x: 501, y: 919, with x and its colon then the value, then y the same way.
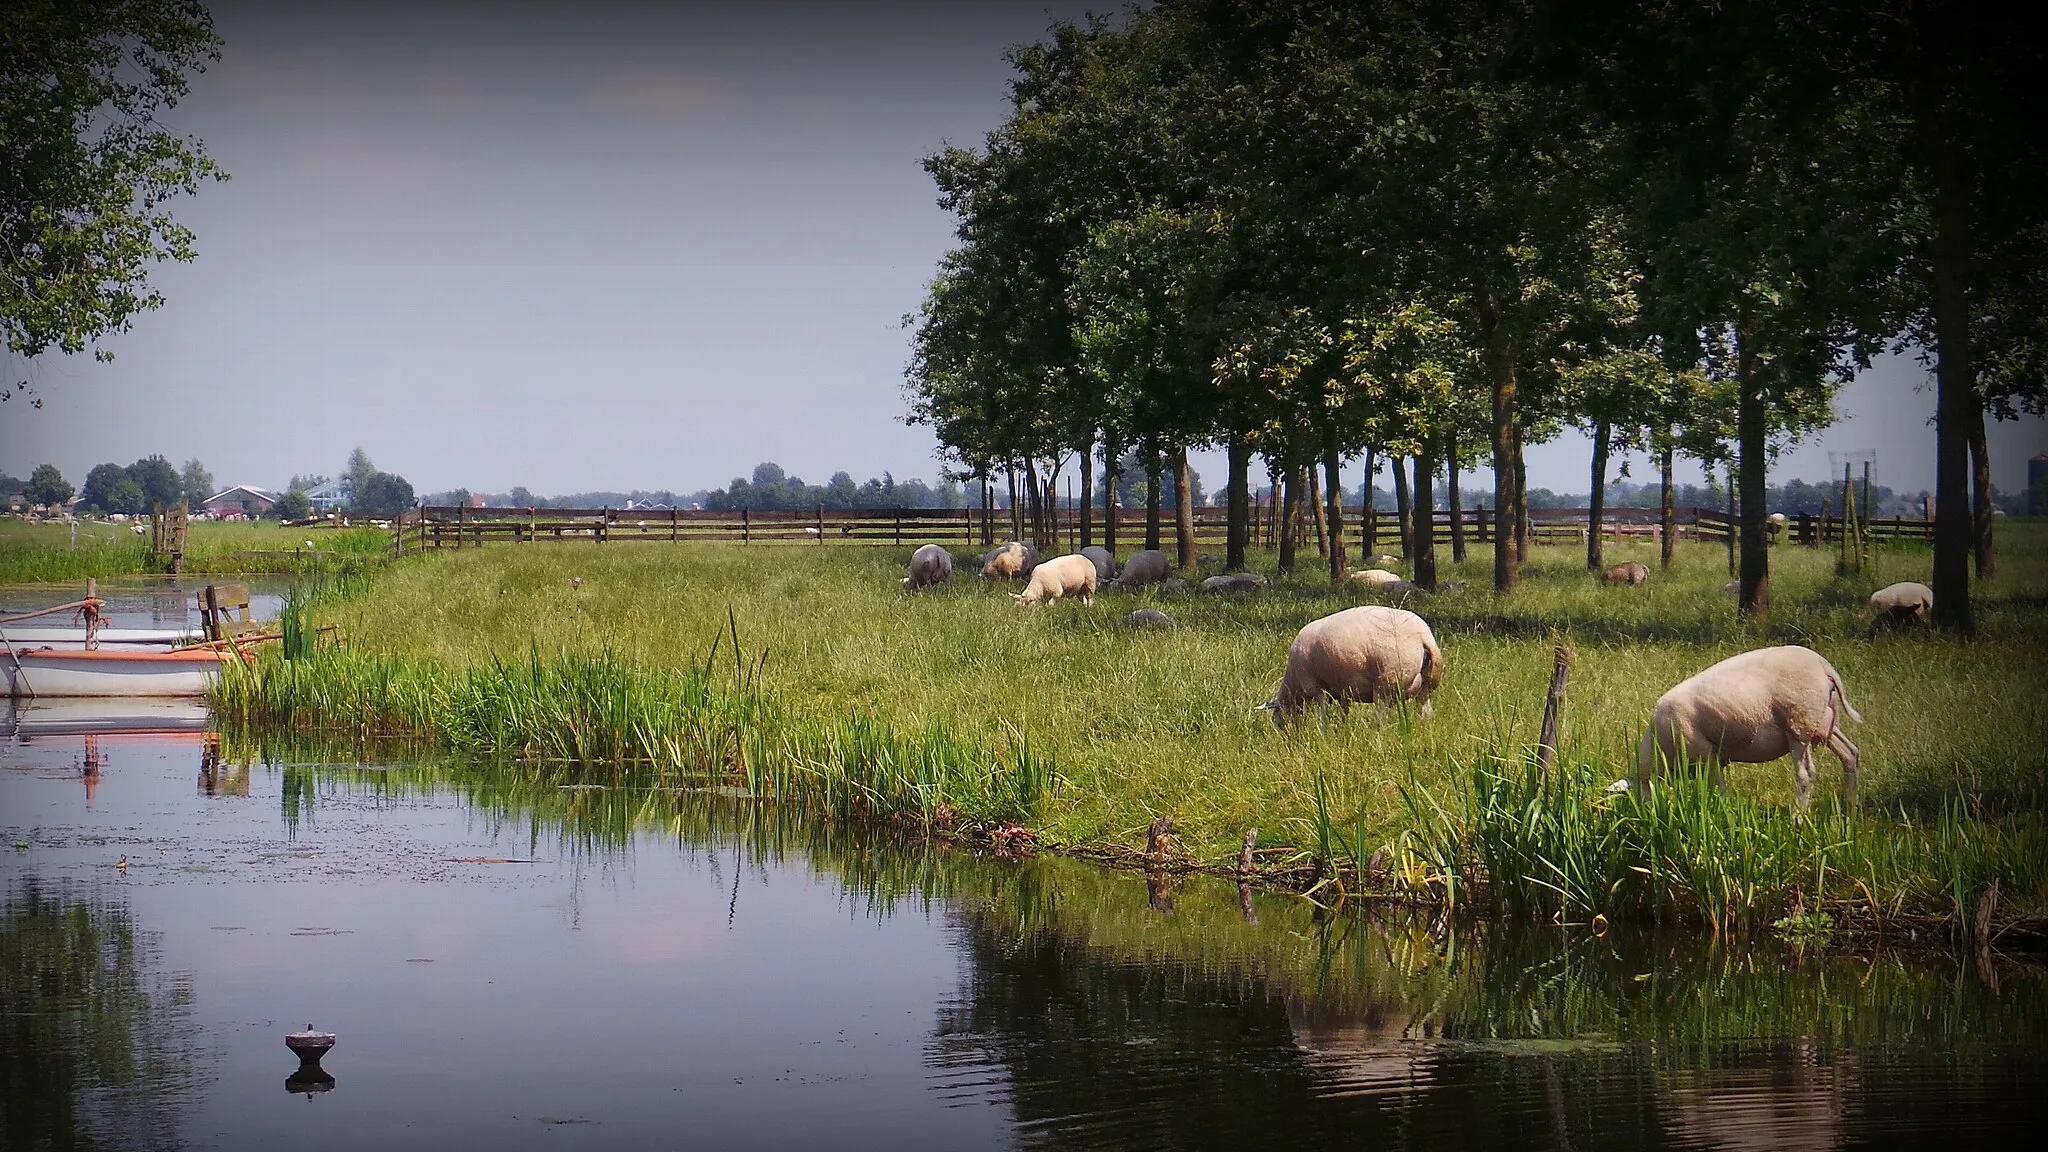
x: 1750, y: 708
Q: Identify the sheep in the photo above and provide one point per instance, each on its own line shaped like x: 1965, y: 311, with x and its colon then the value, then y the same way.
x: 1072, y: 575
x: 1376, y: 578
x: 1369, y: 654
x: 1903, y: 603
x: 1732, y: 588
x: 929, y: 565
x: 1632, y: 572
x: 1147, y: 567
x: 1383, y: 560
x: 1009, y: 561
x: 1234, y: 582
x: 1105, y: 563
x: 1752, y: 709
x: 1147, y: 618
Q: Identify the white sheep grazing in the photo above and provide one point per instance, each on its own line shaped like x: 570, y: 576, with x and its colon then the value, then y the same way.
x: 1147, y: 567
x: 1234, y: 582
x: 1752, y: 709
x: 1628, y: 572
x: 1072, y: 575
x: 1376, y: 578
x: 929, y: 565
x: 1369, y: 654
x: 1105, y: 563
x: 1903, y: 603
x: 1009, y: 561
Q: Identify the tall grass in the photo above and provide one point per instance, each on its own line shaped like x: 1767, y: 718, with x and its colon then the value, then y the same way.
x: 53, y: 552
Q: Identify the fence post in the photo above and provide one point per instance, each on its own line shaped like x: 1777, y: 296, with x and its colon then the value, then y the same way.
x: 671, y: 525
x: 899, y: 525
x: 821, y: 523
x: 746, y: 526
x: 604, y: 519
x: 458, y: 527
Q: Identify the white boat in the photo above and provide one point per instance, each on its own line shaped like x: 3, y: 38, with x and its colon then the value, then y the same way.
x: 42, y: 672
x: 23, y: 634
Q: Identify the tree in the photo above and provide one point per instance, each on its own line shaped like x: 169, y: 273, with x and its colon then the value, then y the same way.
x: 99, y: 495
x: 382, y: 494
x: 157, y: 480
x: 358, y: 473
x: 47, y: 486
x: 196, y: 481
x: 293, y: 505
x: 87, y: 167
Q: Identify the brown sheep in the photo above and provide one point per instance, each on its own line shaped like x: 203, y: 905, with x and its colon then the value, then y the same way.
x: 1631, y: 572
x: 1370, y: 654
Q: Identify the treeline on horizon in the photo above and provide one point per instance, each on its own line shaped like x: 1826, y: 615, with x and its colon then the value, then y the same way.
x: 1306, y: 231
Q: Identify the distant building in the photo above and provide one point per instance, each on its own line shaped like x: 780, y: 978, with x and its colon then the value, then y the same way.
x: 239, y: 503
x: 332, y: 496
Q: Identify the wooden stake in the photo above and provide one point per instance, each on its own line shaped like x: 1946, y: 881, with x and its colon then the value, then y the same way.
x: 1560, y: 672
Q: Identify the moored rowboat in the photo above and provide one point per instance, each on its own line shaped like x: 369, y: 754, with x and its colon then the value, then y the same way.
x: 59, y: 672
x: 47, y: 635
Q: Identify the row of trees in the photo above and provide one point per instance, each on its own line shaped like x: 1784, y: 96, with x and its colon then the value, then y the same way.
x: 130, y: 490
x: 1309, y: 230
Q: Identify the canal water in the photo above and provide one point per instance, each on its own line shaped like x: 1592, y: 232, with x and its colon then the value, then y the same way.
x: 511, y: 965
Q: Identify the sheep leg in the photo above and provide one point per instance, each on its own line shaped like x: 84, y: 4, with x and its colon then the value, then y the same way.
x: 1852, y: 764
x: 1802, y: 756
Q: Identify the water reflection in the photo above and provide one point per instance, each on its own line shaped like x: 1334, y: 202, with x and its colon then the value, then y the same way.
x: 693, y: 956
x: 96, y: 1046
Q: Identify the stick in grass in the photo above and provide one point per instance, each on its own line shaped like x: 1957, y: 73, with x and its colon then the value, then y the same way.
x: 1546, y: 745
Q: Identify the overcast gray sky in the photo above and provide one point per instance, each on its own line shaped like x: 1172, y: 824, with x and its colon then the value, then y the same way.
x: 599, y: 246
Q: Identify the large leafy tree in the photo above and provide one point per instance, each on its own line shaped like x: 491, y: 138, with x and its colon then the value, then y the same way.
x: 47, y: 486
x: 88, y: 166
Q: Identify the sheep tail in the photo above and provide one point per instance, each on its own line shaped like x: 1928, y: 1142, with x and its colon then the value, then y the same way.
x: 1842, y: 694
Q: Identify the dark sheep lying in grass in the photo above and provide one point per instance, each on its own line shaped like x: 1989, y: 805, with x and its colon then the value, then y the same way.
x: 1234, y: 582
x: 1900, y: 604
x: 1752, y: 709
x: 1370, y: 654
x: 1009, y: 561
x: 1632, y: 572
x: 929, y: 565
x: 1105, y: 563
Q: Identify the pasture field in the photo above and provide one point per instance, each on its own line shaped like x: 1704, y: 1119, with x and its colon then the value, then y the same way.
x: 955, y: 707
x: 49, y: 551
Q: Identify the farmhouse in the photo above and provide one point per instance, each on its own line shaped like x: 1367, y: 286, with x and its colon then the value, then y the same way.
x: 332, y: 496
x: 238, y: 503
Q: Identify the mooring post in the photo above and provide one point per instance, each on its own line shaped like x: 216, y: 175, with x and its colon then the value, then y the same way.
x: 1244, y: 853
x: 1546, y: 745
x: 1159, y: 838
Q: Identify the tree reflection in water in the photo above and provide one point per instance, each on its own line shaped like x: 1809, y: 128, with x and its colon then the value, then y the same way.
x: 96, y: 1044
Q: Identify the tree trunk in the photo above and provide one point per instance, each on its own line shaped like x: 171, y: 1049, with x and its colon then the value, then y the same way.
x: 1667, y: 513
x: 1369, y: 542
x: 1955, y: 389
x: 1290, y: 514
x: 1110, y: 477
x: 1315, y: 510
x: 1423, y: 528
x: 1238, y: 530
x: 1333, y: 494
x: 1087, y: 491
x: 1184, y: 509
x: 1154, y: 495
x: 1752, y: 425
x: 1404, y: 507
x: 1980, y: 493
x: 1597, y: 505
x: 1522, y: 503
x: 1500, y: 354
x: 1457, y: 502
x: 1016, y: 509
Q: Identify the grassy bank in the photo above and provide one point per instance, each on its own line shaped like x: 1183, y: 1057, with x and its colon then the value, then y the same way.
x: 52, y: 552
x: 803, y: 673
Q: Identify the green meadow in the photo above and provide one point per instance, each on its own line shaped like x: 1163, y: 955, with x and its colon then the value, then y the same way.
x: 805, y: 674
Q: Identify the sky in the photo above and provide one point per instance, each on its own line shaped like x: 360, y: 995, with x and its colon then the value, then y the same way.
x: 604, y: 246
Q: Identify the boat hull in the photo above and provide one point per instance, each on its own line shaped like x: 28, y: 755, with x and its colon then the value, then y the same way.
x: 44, y: 672
x: 22, y: 635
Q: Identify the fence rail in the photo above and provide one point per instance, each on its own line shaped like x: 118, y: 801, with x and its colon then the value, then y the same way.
x: 432, y: 528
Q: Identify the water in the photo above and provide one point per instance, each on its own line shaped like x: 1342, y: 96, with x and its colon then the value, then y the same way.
x: 686, y: 969
x: 144, y: 601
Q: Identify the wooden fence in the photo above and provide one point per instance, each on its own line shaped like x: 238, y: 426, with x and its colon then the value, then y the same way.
x: 457, y: 527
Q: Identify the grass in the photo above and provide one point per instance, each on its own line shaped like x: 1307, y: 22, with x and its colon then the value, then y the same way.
x: 804, y: 673
x: 45, y: 552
